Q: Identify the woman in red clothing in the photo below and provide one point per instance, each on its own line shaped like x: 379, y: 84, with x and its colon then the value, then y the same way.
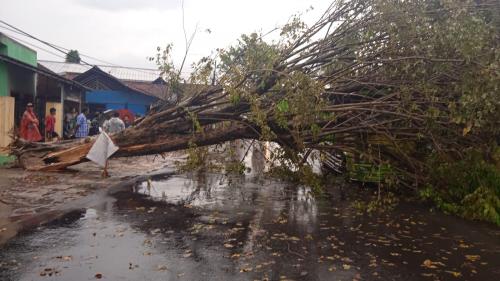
x: 29, y: 125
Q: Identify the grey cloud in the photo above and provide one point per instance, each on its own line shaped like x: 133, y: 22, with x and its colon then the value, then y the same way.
x: 117, y: 5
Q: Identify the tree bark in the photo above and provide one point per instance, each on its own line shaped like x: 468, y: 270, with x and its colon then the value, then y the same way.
x: 58, y: 157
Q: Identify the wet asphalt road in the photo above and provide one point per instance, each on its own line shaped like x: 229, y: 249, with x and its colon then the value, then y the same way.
x: 206, y: 227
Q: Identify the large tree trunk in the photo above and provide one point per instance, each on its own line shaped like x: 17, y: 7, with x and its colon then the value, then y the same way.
x: 57, y: 157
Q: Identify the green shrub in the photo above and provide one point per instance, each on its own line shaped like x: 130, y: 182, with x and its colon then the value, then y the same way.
x: 469, y: 188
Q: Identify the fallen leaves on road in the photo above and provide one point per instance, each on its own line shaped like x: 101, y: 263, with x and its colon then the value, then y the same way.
x: 49, y: 272
x: 246, y: 269
x: 65, y: 258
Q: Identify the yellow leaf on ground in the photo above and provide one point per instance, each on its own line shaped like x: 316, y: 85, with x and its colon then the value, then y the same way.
x: 431, y: 264
x: 454, y: 273
x: 246, y: 269
x: 467, y: 129
x: 472, y: 257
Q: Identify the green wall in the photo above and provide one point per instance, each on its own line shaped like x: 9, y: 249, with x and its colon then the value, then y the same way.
x: 17, y: 51
x: 4, y: 85
x: 12, y: 78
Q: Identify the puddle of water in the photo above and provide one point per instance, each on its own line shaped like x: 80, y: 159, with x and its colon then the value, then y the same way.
x: 205, y: 227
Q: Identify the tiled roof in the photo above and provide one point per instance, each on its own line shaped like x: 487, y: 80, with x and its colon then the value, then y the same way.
x: 122, y: 73
x: 157, y: 90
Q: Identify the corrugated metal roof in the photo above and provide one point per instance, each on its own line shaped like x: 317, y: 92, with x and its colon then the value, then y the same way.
x: 122, y: 73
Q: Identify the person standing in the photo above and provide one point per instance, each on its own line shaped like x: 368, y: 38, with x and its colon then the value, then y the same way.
x: 126, y: 121
x: 94, y: 124
x: 70, y: 123
x: 82, y: 127
x: 114, y: 125
x: 29, y: 125
x: 50, y: 126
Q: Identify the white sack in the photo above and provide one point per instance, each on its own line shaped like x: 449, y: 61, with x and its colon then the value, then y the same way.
x: 102, y: 149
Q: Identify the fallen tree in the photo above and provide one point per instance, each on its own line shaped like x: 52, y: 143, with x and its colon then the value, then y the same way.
x: 390, y: 82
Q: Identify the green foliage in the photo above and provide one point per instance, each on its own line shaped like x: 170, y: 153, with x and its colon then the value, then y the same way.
x: 203, y: 72
x: 73, y: 56
x: 482, y: 204
x: 251, y: 55
x: 197, y: 159
x: 6, y: 159
x: 292, y: 31
x: 283, y: 106
x: 168, y: 71
x: 444, y: 40
x: 469, y: 188
x: 197, y: 128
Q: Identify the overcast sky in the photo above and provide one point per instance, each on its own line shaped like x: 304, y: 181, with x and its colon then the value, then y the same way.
x: 125, y: 32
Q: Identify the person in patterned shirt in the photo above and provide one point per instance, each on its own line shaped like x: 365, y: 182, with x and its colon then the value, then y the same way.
x: 82, y: 127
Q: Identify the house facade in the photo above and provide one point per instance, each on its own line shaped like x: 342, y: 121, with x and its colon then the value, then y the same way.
x: 23, y: 80
x: 108, y: 92
x: 115, y: 87
x: 17, y: 84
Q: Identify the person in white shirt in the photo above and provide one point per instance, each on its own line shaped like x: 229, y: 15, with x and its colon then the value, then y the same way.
x: 114, y: 124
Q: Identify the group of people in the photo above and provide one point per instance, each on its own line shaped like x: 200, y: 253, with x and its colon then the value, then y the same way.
x: 75, y: 125
x: 111, y: 125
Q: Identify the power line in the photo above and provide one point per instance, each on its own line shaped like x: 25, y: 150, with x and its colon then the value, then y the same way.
x: 66, y: 50
x: 40, y: 40
x: 63, y: 48
x: 35, y: 46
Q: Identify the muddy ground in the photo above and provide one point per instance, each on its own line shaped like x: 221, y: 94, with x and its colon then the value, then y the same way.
x: 25, y: 195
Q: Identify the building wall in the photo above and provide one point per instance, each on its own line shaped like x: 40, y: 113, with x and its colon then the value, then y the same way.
x: 7, y: 119
x: 4, y: 80
x: 17, y: 51
x: 13, y: 78
x: 137, y: 103
x: 21, y: 80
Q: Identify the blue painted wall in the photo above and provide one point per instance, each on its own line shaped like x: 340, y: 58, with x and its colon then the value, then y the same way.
x: 135, y: 102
